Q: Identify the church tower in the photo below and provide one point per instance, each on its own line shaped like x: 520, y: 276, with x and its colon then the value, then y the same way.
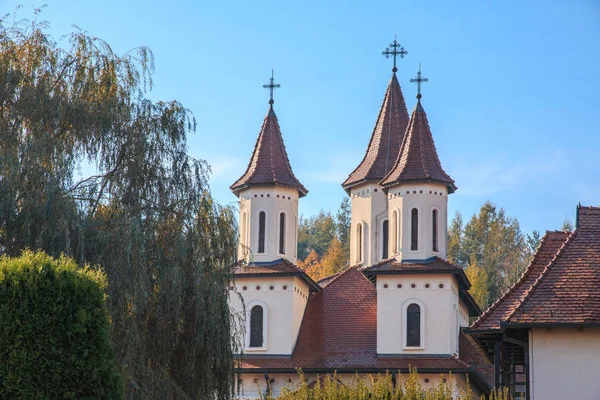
x: 417, y: 189
x: 273, y: 291
x: 269, y: 194
x: 369, y: 222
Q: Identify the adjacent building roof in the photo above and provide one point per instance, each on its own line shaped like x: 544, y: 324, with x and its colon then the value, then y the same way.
x: 567, y: 292
x: 418, y: 160
x: 339, y: 333
x: 385, y: 141
x: 269, y: 164
x: 279, y: 267
x: 505, y: 305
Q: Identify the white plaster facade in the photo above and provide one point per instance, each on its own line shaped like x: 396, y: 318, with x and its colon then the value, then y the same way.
x: 425, y: 198
x: 273, y: 201
x: 442, y: 313
x: 369, y: 210
x: 284, y: 300
x: 564, y: 363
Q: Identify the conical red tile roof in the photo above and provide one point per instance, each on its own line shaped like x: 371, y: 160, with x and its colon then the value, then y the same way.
x: 269, y: 164
x: 385, y: 141
x: 418, y: 160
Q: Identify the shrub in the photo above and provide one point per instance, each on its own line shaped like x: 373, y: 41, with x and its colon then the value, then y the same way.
x: 380, y: 386
x: 54, y: 331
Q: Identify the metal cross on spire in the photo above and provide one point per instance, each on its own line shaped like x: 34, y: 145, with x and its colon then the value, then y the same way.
x: 396, y: 50
x: 419, y: 80
x: 271, y: 86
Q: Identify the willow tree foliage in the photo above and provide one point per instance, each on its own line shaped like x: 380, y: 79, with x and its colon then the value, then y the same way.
x: 144, y: 213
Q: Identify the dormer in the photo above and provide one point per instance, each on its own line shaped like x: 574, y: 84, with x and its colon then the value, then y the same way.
x: 421, y: 306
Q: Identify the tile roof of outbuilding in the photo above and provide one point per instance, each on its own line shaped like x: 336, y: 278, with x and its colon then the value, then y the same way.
x: 505, y: 305
x: 418, y: 160
x: 385, y: 141
x: 269, y: 164
x: 339, y: 333
x: 567, y: 292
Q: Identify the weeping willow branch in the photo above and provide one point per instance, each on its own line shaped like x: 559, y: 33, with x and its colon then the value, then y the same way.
x: 145, y: 214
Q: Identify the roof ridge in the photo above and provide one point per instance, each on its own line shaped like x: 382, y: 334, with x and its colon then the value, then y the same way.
x: 537, y: 282
x: 511, y: 289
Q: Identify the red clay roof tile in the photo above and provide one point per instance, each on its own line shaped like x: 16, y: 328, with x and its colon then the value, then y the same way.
x: 269, y: 164
x: 418, y: 160
x: 503, y: 307
x: 567, y: 292
x: 339, y: 333
x: 385, y: 141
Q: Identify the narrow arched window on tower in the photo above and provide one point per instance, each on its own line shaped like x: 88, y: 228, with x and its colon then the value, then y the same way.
x: 386, y: 237
x: 282, y: 233
x: 359, y: 244
x: 243, y: 230
x: 262, y: 216
x: 413, y: 325
x: 414, y: 230
x: 395, y: 232
x: 434, y: 230
x: 256, y: 326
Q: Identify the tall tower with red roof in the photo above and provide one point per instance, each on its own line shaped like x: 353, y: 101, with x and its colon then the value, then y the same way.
x: 269, y: 193
x: 369, y: 222
x: 417, y: 188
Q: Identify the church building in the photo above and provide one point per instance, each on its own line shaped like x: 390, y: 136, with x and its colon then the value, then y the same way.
x: 399, y: 305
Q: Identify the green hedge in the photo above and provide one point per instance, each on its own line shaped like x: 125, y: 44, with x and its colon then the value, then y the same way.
x: 54, y: 331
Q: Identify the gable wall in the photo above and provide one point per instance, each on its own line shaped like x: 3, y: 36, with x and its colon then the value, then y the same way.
x: 564, y: 363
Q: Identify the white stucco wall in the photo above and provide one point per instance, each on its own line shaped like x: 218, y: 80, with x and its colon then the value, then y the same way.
x: 425, y: 198
x: 253, y: 383
x: 369, y: 207
x: 272, y: 200
x: 284, y: 309
x: 564, y: 364
x: 441, y: 320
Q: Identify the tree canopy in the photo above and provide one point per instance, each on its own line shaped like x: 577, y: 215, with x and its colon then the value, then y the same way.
x: 93, y: 169
x: 493, y: 250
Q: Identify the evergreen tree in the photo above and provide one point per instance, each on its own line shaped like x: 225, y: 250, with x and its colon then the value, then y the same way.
x: 145, y: 214
x: 343, y: 221
x: 567, y: 225
x: 315, y: 233
x: 455, y: 232
x: 494, y: 242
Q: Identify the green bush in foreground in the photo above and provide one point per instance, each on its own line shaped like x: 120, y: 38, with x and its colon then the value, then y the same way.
x: 54, y: 331
x: 408, y: 387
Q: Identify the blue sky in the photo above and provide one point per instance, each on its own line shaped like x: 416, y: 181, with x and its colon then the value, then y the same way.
x: 512, y: 97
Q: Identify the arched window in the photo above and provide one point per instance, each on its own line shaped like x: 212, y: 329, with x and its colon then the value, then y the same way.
x: 414, y: 229
x: 359, y: 243
x: 395, y: 232
x: 262, y: 216
x: 243, y: 230
x: 434, y: 229
x: 282, y: 233
x: 256, y: 326
x: 386, y: 237
x: 413, y: 326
